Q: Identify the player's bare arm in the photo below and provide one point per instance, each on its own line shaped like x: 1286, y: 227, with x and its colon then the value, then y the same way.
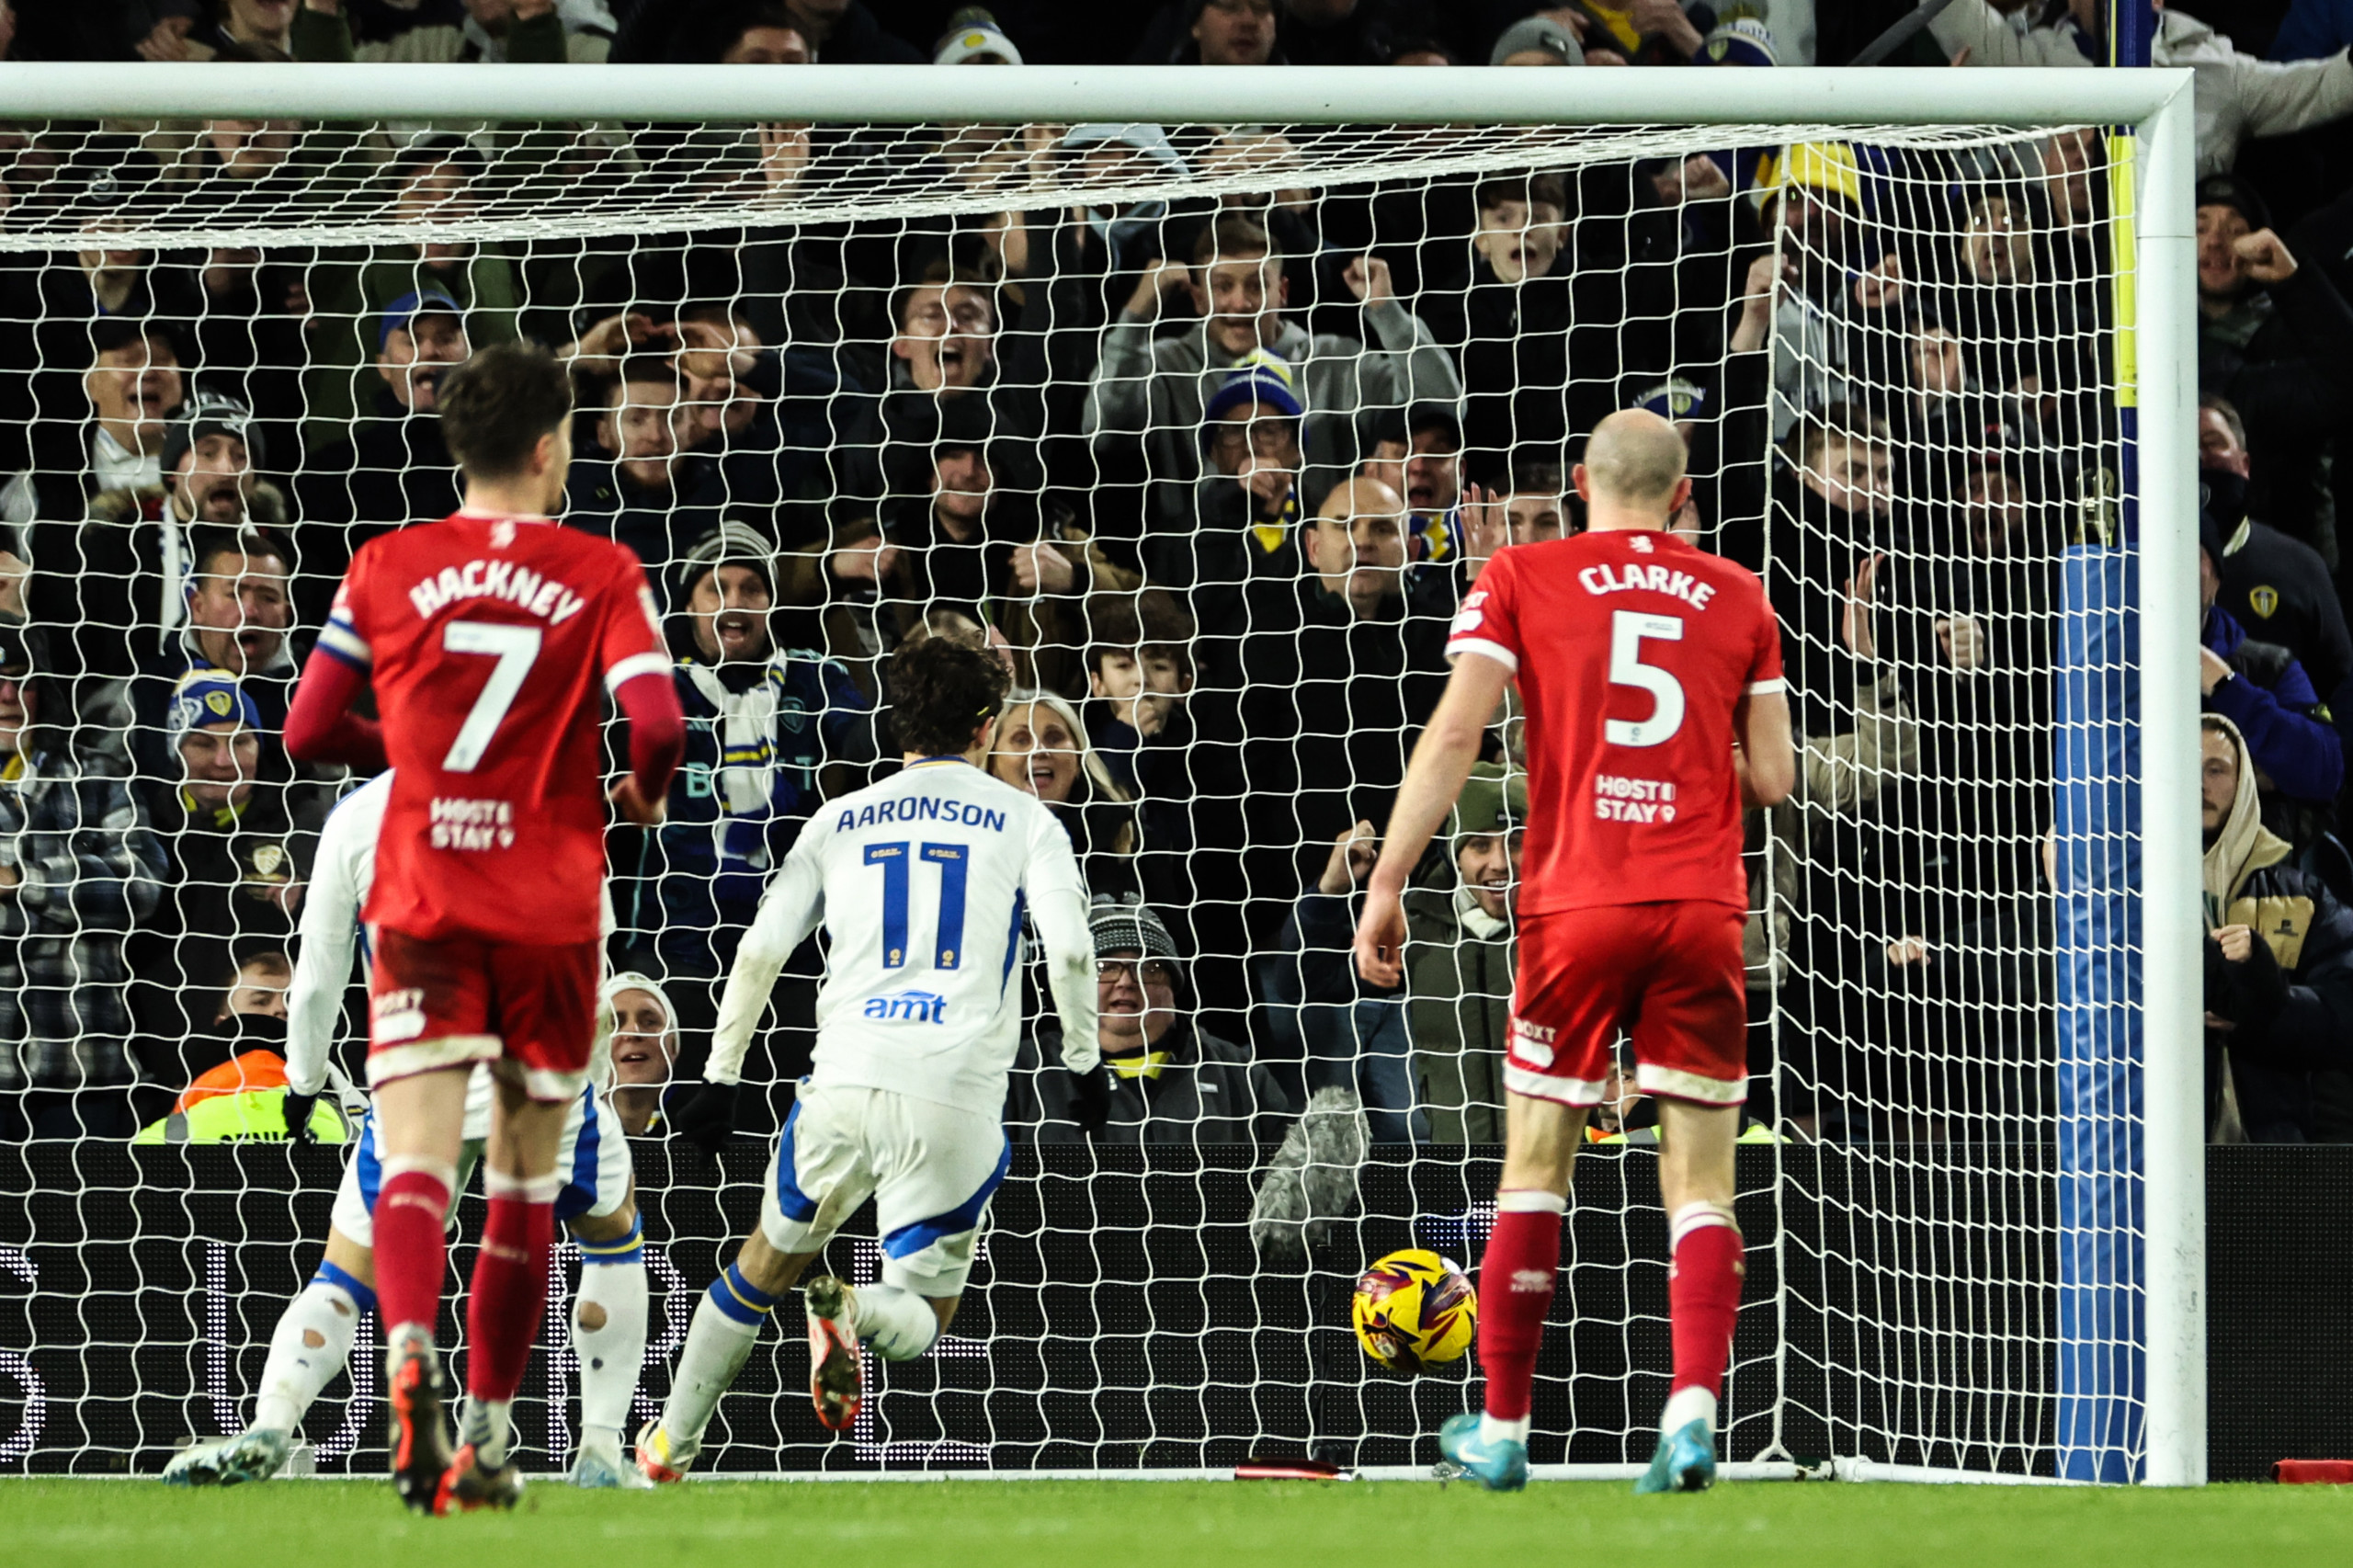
x: 1441, y: 761
x: 1764, y: 753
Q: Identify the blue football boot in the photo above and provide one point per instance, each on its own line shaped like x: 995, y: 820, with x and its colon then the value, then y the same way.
x: 1685, y: 1461
x: 1499, y: 1466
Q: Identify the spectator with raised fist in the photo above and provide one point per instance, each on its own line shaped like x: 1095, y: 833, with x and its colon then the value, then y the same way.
x: 640, y: 484
x: 2239, y: 97
x: 2276, y: 339
x: 1150, y: 390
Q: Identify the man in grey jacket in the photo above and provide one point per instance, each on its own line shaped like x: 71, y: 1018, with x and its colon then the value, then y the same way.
x: 1149, y: 391
x: 2238, y: 96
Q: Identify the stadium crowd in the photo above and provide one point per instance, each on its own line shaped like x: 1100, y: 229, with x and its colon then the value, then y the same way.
x: 1212, y: 476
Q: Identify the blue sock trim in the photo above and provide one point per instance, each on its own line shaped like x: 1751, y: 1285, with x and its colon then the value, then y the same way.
x: 628, y: 1248
x: 361, y: 1296
x: 739, y: 1299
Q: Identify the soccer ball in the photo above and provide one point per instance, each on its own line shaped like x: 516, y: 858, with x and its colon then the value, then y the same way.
x: 1414, y: 1309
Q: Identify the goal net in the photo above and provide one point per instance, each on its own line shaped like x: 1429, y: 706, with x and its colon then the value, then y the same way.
x: 1207, y: 428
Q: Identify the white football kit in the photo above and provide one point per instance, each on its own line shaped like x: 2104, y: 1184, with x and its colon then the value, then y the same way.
x: 922, y: 882
x: 593, y: 1157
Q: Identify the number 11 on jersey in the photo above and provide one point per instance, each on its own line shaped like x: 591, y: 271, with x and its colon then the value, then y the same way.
x: 955, y: 862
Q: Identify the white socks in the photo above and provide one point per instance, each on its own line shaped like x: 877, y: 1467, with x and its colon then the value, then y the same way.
x: 899, y: 1324
x: 612, y: 1353
x: 1685, y: 1406
x: 1492, y: 1430
x: 717, y: 1346
x: 489, y: 1425
x: 312, y: 1344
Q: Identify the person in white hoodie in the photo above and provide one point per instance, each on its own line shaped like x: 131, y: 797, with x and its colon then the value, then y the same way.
x: 2239, y: 95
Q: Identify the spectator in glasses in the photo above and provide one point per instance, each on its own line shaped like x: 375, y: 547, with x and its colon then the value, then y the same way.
x: 1171, y: 1082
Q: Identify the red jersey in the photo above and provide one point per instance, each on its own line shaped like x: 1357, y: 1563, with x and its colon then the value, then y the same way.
x: 1632, y: 650
x: 491, y: 641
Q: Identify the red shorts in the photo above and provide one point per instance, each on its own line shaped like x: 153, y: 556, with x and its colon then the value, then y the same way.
x: 1670, y: 974
x: 453, y: 1003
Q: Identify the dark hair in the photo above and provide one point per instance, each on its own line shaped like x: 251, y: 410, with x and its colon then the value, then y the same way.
x: 1232, y: 238
x: 709, y: 31
x: 1532, y: 189
x: 431, y: 152
x: 114, y: 333
x: 1435, y: 416
x: 717, y: 312
x: 1845, y: 422
x: 1112, y: 627
x: 942, y: 691
x: 1375, y: 426
x: 1148, y: 622
x: 642, y: 368
x: 1420, y: 45
x: 1537, y: 476
x: 209, y: 545
x: 944, y: 275
x: 496, y: 405
x: 2229, y: 413
x: 1166, y: 622
x: 266, y: 953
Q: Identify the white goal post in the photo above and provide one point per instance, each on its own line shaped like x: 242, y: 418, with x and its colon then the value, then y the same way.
x: 2156, y: 1316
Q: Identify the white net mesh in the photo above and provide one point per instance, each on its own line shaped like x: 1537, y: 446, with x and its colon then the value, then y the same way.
x: 1081, y: 393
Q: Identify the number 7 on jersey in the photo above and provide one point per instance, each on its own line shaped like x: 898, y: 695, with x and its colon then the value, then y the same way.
x: 517, y: 648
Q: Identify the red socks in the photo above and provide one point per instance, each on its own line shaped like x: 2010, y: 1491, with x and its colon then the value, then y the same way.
x: 509, y: 1292
x: 1703, y: 1294
x: 410, y: 1258
x: 1515, y: 1293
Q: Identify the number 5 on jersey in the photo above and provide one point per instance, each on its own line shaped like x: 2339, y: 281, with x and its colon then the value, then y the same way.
x: 515, y: 648
x: 1628, y: 627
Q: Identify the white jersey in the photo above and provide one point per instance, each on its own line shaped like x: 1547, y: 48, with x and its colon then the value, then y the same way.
x: 922, y: 882
x: 341, y: 874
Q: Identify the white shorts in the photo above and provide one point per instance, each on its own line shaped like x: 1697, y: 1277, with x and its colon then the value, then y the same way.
x: 592, y: 1156
x: 930, y: 1168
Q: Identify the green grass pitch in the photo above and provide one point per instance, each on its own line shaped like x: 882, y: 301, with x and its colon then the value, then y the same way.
x: 1123, y: 1524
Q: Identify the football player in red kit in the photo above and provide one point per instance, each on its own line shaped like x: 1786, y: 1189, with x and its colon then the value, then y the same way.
x: 1650, y: 674
x: 491, y: 640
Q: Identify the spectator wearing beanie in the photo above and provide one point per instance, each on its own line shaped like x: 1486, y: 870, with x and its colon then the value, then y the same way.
x: 236, y: 857
x: 1537, y: 40
x: 770, y: 732
x: 114, y: 589
x: 1172, y: 1082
